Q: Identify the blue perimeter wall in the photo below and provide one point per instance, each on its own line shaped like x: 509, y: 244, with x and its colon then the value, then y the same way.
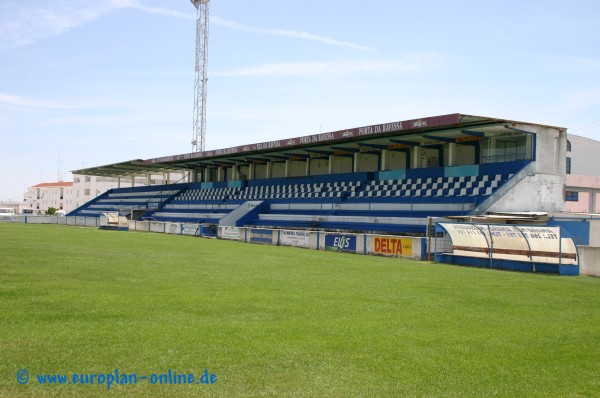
x: 579, y: 230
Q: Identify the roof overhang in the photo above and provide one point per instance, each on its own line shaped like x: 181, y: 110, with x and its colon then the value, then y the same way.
x: 128, y: 169
x: 395, y: 136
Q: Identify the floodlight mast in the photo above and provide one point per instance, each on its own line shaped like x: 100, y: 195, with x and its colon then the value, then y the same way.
x: 200, y: 82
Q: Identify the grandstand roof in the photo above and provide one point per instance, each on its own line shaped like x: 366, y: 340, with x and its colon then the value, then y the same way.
x: 397, y: 135
x: 128, y: 168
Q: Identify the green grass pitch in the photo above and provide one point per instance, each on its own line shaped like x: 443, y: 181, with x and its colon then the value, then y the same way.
x: 278, y: 321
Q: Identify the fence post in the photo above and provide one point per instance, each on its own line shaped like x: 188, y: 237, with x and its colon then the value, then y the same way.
x: 559, y: 248
x: 491, y: 247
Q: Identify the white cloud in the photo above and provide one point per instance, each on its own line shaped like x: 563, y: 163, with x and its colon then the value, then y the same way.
x: 410, y: 63
x: 20, y: 101
x: 564, y: 63
x: 161, y: 11
x: 23, y: 23
x: 288, y: 33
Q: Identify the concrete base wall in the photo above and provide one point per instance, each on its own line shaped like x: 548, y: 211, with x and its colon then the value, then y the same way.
x: 540, y: 192
x: 589, y: 260
x: 595, y: 233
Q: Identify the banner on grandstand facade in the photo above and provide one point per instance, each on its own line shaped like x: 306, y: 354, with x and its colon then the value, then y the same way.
x: 173, y: 228
x: 190, y: 229
x: 357, y: 132
x: 340, y: 243
x: 157, y: 226
x: 294, y: 238
x: 232, y: 233
x: 390, y: 246
x: 259, y: 235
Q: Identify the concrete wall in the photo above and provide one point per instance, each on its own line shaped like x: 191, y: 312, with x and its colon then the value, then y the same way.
x: 341, y: 164
x: 382, y: 245
x: 540, y: 192
x: 367, y: 162
x: 319, y: 166
x: 595, y: 233
x: 464, y: 155
x: 551, y: 149
x: 543, y: 191
x: 260, y: 171
x: 395, y: 160
x: 277, y: 169
x: 589, y: 260
x: 296, y: 168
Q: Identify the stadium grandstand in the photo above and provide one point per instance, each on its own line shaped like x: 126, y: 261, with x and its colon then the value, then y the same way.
x: 384, y: 178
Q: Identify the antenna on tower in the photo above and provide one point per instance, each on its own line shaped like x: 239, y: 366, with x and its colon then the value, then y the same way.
x: 59, y: 169
x: 199, y: 134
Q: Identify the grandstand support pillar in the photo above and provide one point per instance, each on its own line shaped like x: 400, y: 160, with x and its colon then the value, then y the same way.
x: 529, y: 147
x: 251, y: 168
x: 287, y: 168
x: 416, y: 158
x: 307, y: 172
x: 269, y: 169
x: 118, y: 182
x: 207, y: 174
x: 148, y: 179
x: 331, y: 161
x: 492, y: 151
x: 383, y: 159
x: 356, y: 162
x: 451, y: 154
x: 220, y: 173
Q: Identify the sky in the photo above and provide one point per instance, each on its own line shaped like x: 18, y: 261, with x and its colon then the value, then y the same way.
x: 89, y: 83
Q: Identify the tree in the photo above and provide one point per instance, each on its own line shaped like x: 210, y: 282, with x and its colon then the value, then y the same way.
x: 51, y: 211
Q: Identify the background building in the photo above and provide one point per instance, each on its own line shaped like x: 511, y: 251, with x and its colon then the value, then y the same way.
x: 582, y: 185
x: 70, y: 195
x: 41, y: 197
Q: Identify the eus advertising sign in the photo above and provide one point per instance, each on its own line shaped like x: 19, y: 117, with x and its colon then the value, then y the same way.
x: 340, y: 243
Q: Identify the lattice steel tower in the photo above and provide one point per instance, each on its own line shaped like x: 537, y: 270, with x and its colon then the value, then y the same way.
x: 199, y: 134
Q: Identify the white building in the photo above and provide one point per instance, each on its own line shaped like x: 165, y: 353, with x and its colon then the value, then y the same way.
x: 582, y: 186
x: 68, y: 196
x: 41, y: 197
x: 88, y: 187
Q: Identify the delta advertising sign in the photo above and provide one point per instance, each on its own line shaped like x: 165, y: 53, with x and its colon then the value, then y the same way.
x: 391, y: 246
